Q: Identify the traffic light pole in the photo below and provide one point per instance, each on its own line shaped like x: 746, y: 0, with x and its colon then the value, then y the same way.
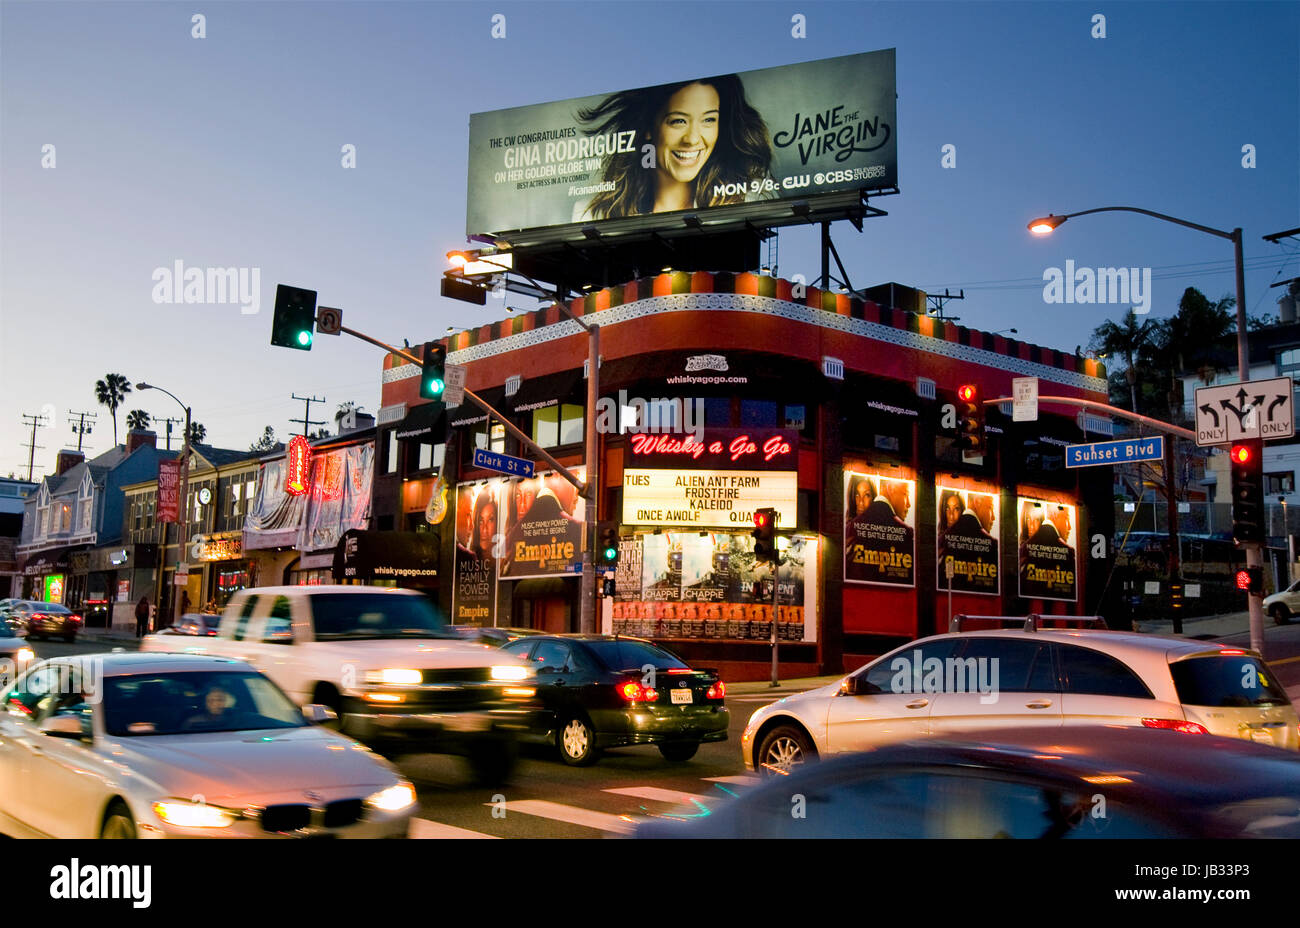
x: 776, y: 582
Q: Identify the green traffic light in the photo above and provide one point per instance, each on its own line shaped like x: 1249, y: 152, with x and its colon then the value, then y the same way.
x: 611, y: 553
x: 436, y: 386
x: 304, y: 337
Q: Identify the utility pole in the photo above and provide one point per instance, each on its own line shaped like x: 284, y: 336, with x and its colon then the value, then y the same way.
x: 34, y: 421
x: 79, y: 428
x: 941, y: 299
x: 170, y: 422
x: 306, y: 420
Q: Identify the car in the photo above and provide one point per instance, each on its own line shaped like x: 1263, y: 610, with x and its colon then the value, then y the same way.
x: 15, y: 655
x: 489, y: 635
x: 382, y: 659
x: 1283, y: 604
x: 1084, y: 782
x: 1036, y: 677
x: 195, y: 623
x: 130, y: 745
x: 43, y: 620
x: 604, y: 691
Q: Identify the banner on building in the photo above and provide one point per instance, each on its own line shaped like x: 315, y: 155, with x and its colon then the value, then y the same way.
x: 541, y: 526
x: 750, y: 142
x: 473, y: 597
x: 879, y: 529
x: 967, y: 531
x: 169, y: 491
x: 1048, y: 559
x: 338, y: 496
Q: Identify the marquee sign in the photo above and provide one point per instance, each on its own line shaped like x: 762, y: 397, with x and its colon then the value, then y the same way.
x: 756, y: 449
x: 298, y: 472
x: 707, y: 498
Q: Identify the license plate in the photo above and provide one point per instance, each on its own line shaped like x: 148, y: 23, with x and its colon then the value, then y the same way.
x: 1262, y: 735
x: 468, y: 723
x: 682, y: 696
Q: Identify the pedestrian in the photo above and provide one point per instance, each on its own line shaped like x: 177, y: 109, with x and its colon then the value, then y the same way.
x: 142, y: 617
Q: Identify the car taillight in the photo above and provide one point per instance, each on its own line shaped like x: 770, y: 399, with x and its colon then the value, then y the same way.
x: 716, y: 691
x: 1187, y: 728
x: 635, y: 692
x: 75, y: 619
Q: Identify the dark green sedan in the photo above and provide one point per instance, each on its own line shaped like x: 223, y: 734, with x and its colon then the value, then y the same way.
x: 602, y: 691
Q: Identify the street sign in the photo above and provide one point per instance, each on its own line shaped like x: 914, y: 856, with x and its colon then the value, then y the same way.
x: 503, y: 463
x: 453, y: 378
x: 1024, y: 393
x: 329, y: 321
x: 1256, y: 409
x: 1100, y: 453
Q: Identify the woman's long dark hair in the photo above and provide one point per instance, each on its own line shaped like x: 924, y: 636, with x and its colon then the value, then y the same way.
x: 742, y: 153
x: 485, y: 499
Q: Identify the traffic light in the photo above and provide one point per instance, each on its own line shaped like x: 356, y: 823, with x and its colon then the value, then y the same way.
x: 433, y: 379
x: 295, y: 317
x: 970, y: 419
x: 1246, y: 461
x: 1250, y: 579
x: 609, y: 545
x: 764, y: 536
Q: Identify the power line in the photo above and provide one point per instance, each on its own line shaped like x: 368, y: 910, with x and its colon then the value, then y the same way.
x: 306, y: 420
x: 79, y: 428
x: 35, y: 421
x: 169, y: 421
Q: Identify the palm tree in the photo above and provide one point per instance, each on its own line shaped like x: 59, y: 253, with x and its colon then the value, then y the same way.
x: 138, y: 419
x: 1130, y: 341
x: 110, y: 392
x: 197, y: 432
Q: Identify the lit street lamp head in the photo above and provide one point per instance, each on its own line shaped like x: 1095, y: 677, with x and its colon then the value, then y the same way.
x: 1045, y: 225
x: 457, y: 258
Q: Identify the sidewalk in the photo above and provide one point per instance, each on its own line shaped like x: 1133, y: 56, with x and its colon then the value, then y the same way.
x: 787, y: 687
x: 1210, y: 626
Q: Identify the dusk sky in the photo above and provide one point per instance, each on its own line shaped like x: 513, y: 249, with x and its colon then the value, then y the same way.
x: 225, y: 151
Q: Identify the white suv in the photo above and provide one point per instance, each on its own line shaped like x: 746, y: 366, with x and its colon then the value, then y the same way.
x: 1034, y: 677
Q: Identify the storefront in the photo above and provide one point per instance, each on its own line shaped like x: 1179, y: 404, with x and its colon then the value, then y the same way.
x: 45, y: 575
x: 223, y: 566
x: 723, y: 393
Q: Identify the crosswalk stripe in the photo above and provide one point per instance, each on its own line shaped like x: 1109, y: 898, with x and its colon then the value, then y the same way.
x: 743, y: 779
x: 658, y: 794
x: 573, y: 815
x: 423, y: 828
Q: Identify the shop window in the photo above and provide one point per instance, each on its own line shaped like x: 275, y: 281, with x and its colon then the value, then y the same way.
x: 758, y: 413
x: 1279, y: 483
x: 555, y: 425
x: 390, y: 455
x: 431, y: 456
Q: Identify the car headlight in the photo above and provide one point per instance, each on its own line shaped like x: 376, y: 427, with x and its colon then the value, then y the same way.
x: 193, y: 814
x: 22, y: 655
x: 393, y: 799
x: 399, y: 676
x: 509, y: 673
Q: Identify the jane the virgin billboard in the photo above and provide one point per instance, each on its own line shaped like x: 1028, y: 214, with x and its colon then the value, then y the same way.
x: 698, y: 144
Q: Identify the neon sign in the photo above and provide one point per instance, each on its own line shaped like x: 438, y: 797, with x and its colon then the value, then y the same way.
x: 298, y: 472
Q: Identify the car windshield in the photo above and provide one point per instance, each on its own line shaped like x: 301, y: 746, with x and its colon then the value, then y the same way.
x: 622, y: 654
x: 186, y: 702
x: 50, y: 608
x: 1226, y: 681
x: 376, y: 615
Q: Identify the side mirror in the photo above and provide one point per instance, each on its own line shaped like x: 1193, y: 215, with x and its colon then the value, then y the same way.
x: 849, y: 686
x: 318, y: 714
x: 62, y: 726
x: 542, y: 670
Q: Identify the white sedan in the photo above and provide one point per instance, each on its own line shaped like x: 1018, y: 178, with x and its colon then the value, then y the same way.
x: 171, y: 745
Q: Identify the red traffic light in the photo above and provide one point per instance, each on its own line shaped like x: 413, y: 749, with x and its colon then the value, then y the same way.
x: 760, y: 518
x: 1243, y: 579
x: 966, y: 392
x: 1241, y: 454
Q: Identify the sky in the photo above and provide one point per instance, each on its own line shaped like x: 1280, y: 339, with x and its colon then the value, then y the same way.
x: 225, y: 151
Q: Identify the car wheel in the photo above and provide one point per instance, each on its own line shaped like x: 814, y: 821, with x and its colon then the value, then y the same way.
x: 492, y: 762
x: 783, y: 749
x: 118, y: 822
x: 679, y: 751
x: 1280, y: 613
x: 577, y: 743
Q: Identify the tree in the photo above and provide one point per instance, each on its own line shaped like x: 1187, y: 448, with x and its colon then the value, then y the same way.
x: 266, y: 443
x: 321, y: 432
x: 1130, y: 341
x: 197, y: 433
x: 110, y: 392
x: 1193, y: 339
x: 138, y: 419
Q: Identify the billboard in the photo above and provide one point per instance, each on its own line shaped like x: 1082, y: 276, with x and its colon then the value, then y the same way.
x: 700, y: 144
x: 1048, y: 559
x: 474, y: 592
x: 879, y: 529
x: 967, y: 531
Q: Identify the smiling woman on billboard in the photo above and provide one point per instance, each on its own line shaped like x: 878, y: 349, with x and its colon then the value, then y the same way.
x: 710, y: 146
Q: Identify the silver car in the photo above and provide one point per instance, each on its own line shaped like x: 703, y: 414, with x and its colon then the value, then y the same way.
x: 129, y: 745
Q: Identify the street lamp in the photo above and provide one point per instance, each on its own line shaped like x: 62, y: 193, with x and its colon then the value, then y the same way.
x: 1254, y: 557
x: 183, y: 501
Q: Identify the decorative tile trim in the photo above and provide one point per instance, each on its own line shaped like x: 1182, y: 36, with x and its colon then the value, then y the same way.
x: 795, y: 312
x: 405, y: 372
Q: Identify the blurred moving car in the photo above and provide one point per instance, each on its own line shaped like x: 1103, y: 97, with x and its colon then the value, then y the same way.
x: 194, y: 623
x: 1283, y: 604
x: 6, y: 608
x: 15, y: 655
x: 496, y: 637
x: 1085, y: 782
x: 170, y: 745
x: 602, y: 691
x: 1048, y: 678
x: 43, y: 620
